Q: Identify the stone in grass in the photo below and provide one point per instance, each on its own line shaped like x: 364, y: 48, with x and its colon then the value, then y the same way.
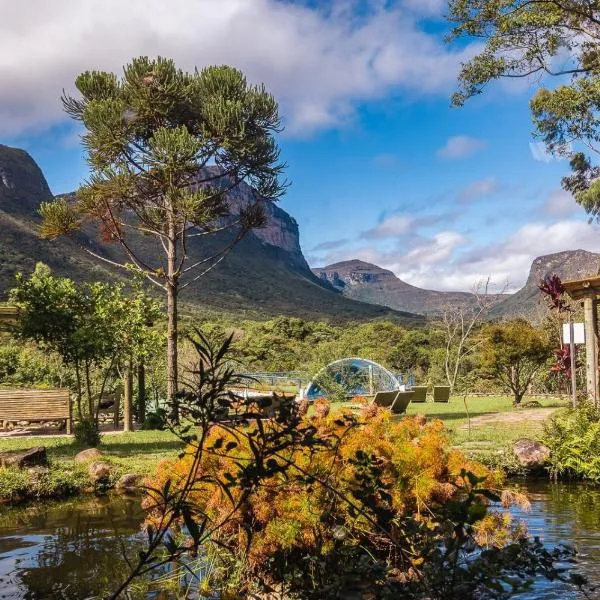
x: 128, y: 483
x: 99, y: 472
x: 531, y: 454
x: 89, y: 454
x: 24, y: 458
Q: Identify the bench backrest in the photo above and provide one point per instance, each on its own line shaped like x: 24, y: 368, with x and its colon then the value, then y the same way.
x: 441, y: 393
x: 385, y: 399
x: 34, y: 405
x: 401, y: 402
x: 420, y: 393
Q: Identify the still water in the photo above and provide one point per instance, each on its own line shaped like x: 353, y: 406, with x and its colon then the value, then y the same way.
x: 75, y: 550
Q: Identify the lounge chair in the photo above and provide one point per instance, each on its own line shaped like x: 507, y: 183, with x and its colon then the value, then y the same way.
x: 441, y: 393
x: 401, y: 402
x: 385, y: 399
x: 420, y: 393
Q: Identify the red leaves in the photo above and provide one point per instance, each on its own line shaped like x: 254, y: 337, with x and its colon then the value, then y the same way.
x: 554, y: 289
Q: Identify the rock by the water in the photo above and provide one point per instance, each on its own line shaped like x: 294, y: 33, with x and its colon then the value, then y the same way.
x: 531, y: 454
x: 128, y: 482
x: 89, y: 454
x: 99, y: 471
x: 24, y: 458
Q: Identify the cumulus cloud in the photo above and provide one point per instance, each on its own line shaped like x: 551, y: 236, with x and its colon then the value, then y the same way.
x: 460, y: 146
x: 481, y: 188
x: 319, y: 63
x: 391, y: 227
x: 560, y: 203
x: 448, y: 260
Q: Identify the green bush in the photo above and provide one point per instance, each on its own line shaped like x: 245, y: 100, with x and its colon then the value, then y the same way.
x: 573, y: 437
x: 155, y: 420
x: 14, y: 484
x: 87, y: 433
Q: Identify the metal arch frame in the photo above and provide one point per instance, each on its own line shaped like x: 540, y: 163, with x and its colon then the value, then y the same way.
x: 371, y: 363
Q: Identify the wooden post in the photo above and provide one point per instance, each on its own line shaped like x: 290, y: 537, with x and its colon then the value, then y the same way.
x: 128, y: 396
x: 591, y: 348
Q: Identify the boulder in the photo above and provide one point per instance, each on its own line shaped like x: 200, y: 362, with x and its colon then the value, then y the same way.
x: 531, y: 454
x: 99, y: 471
x: 89, y: 454
x: 24, y: 458
x: 129, y: 482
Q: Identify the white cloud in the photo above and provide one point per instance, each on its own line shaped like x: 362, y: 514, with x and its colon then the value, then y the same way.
x: 460, y: 146
x: 450, y: 261
x: 481, y: 188
x: 318, y: 63
x: 391, y: 227
x: 560, y: 203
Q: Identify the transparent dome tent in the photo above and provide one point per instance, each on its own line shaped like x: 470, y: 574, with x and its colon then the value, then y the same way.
x: 351, y: 377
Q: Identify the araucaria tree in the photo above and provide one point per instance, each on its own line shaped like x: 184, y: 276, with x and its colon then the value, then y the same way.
x: 541, y: 39
x: 165, y: 147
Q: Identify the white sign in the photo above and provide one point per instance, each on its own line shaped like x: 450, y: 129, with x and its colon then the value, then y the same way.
x: 578, y: 331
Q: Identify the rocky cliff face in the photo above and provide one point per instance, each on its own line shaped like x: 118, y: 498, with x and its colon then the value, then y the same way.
x: 265, y: 274
x: 22, y: 183
x: 370, y: 283
x: 570, y: 264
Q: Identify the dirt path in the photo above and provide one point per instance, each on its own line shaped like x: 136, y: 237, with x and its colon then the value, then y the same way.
x: 532, y: 415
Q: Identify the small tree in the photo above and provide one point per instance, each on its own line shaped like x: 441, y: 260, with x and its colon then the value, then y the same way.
x: 165, y: 147
x: 458, y: 324
x: 512, y: 353
x: 92, y: 327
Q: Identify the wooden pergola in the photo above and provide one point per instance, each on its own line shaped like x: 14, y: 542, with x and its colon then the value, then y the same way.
x: 588, y: 291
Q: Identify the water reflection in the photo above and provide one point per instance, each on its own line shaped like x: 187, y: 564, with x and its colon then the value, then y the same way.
x: 74, y: 550
x: 71, y: 550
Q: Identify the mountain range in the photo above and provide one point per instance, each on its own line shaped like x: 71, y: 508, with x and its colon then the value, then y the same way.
x: 266, y: 274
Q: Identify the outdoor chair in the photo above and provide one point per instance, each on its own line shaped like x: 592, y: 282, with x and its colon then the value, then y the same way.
x: 401, y: 402
x: 441, y: 393
x: 420, y: 393
x: 385, y: 399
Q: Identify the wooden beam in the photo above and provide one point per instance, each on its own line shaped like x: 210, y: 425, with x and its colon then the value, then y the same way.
x: 591, y: 347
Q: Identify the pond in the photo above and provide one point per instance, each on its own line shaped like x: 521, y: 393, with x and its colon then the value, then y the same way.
x: 74, y: 550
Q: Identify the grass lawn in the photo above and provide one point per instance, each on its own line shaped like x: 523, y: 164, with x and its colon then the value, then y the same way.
x: 142, y: 450
x: 139, y: 451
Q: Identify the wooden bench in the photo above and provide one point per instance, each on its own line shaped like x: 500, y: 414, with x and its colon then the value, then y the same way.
x: 36, y: 405
x: 441, y: 393
x: 420, y: 392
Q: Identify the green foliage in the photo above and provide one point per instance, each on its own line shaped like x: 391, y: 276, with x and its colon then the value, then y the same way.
x: 524, y: 38
x: 155, y: 420
x: 512, y: 353
x: 92, y: 327
x: 87, y: 433
x: 573, y: 437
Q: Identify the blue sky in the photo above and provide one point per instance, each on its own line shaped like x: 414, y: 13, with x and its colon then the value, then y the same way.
x: 381, y: 167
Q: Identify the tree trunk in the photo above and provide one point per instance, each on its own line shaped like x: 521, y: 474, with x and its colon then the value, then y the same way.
x: 172, y: 289
x: 128, y: 396
x: 141, y: 377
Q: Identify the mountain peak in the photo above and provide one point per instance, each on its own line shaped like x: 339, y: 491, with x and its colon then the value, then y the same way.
x: 22, y: 184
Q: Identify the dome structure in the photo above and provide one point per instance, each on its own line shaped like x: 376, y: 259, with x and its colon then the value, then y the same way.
x: 351, y: 377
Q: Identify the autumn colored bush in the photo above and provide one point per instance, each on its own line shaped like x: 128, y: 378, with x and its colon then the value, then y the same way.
x: 365, y: 485
x: 280, y: 504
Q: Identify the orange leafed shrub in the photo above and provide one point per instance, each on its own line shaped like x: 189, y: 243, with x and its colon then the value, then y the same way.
x: 323, y: 497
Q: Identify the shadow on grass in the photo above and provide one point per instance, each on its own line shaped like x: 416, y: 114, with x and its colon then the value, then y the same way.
x: 124, y: 449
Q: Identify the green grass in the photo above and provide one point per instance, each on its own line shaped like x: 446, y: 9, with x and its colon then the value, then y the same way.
x: 141, y: 451
x: 134, y: 452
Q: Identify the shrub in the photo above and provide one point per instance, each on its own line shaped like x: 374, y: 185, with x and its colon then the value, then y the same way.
x: 14, y: 484
x: 155, y: 420
x: 573, y: 437
x: 87, y: 433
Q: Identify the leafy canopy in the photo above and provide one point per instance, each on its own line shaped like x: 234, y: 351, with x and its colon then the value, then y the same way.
x: 164, y: 147
x: 538, y: 39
